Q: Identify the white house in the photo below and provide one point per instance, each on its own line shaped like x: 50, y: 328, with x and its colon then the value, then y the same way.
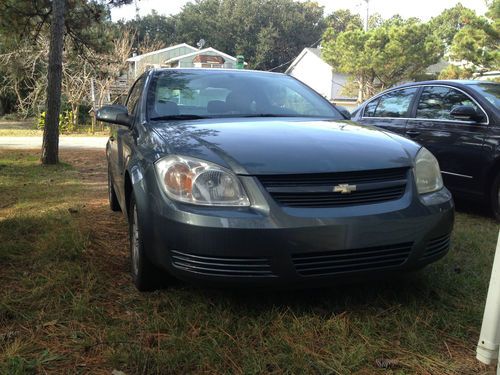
x: 311, y: 69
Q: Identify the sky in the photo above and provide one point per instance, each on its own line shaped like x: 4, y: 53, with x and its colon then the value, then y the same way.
x: 423, y: 9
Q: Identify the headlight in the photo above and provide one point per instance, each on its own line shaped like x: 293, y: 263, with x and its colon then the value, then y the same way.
x: 195, y: 181
x: 427, y: 172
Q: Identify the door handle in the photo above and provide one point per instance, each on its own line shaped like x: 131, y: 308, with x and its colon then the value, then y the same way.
x: 412, y: 133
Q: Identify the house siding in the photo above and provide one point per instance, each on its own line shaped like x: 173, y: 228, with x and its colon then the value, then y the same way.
x: 160, y: 57
x: 315, y: 73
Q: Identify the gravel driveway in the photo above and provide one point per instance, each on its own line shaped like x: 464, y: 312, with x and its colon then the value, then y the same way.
x: 64, y: 142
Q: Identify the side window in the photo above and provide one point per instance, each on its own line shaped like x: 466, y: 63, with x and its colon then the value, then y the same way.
x: 393, y: 104
x: 436, y: 102
x: 134, y: 95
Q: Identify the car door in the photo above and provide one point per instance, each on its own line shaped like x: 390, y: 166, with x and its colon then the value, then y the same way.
x: 122, y: 135
x: 457, y: 144
x: 390, y: 110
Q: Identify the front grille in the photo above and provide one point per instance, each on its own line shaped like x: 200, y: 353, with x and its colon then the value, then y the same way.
x: 317, y: 190
x: 354, y: 260
x: 222, y: 266
x: 437, y: 246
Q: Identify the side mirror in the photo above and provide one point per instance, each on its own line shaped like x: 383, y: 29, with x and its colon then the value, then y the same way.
x: 114, y: 114
x: 466, y: 113
x: 344, y: 111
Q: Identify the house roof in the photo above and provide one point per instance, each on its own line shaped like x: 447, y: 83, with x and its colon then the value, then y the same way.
x: 140, y: 57
x: 200, y: 52
x: 314, y: 51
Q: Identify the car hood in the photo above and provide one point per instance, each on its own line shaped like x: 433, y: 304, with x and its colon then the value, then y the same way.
x: 284, y: 145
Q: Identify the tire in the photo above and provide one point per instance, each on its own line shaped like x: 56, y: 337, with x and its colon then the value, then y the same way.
x: 145, y: 275
x: 495, y: 198
x: 113, y: 199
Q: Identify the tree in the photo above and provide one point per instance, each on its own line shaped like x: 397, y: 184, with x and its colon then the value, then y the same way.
x: 451, y: 21
x: 268, y: 33
x: 50, y: 146
x: 383, y: 56
x: 150, y: 29
x: 470, y: 40
x: 341, y: 20
x: 81, y: 20
x: 477, y: 42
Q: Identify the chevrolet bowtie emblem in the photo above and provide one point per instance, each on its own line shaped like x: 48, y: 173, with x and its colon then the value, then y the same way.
x: 344, y: 188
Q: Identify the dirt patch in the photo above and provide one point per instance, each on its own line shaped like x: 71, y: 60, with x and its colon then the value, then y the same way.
x: 107, y: 230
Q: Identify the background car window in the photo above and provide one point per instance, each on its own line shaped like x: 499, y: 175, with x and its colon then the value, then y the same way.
x: 135, y: 94
x: 393, y: 104
x: 436, y: 102
x: 490, y: 91
x: 371, y: 107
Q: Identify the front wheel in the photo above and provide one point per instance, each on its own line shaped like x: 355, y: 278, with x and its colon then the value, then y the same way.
x: 145, y: 275
x: 495, y: 197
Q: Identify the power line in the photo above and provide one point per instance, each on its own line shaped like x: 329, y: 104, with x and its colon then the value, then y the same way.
x: 289, y: 61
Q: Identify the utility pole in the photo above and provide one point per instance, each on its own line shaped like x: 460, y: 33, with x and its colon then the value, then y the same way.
x: 489, y: 340
x: 367, y: 14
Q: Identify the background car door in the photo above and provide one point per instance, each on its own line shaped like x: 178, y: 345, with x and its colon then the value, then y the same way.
x: 457, y: 144
x: 121, y: 132
x: 390, y: 111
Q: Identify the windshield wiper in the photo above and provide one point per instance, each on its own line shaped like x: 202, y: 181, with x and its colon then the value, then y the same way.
x: 268, y: 115
x: 178, y: 117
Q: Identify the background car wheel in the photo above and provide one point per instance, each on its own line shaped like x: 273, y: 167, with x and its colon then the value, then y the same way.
x: 113, y: 199
x: 495, y: 197
x: 145, y: 275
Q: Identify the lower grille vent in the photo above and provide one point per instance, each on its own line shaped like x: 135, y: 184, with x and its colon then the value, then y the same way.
x: 437, y: 246
x: 222, y: 266
x: 364, y: 259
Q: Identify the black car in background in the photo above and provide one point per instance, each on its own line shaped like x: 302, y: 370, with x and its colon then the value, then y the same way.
x: 458, y: 121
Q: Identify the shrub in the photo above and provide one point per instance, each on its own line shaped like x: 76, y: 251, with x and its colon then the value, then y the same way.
x: 66, y: 121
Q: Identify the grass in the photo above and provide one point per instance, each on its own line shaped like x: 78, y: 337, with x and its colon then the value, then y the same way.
x: 67, y: 304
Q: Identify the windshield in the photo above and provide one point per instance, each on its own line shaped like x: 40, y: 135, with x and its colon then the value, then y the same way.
x: 490, y: 91
x: 177, y: 94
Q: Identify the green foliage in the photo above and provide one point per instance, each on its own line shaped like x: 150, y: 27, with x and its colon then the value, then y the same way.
x: 342, y: 20
x: 456, y: 72
x: 451, y: 21
x: 397, y: 51
x: 66, y: 121
x: 470, y: 38
x: 267, y: 32
x: 478, y: 46
x: 152, y: 27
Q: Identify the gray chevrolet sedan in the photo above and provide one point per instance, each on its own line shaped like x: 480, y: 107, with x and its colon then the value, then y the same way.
x: 251, y: 178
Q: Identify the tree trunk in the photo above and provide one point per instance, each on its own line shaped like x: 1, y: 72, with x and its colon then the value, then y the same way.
x: 361, y: 89
x: 50, y: 146
x: 74, y: 110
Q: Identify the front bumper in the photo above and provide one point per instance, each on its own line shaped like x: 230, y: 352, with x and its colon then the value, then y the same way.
x: 272, y: 245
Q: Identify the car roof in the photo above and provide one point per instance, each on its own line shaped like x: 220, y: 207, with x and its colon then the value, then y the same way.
x: 212, y: 70
x: 451, y: 82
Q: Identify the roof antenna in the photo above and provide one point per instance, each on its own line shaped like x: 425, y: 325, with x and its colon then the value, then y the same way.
x: 201, y: 43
